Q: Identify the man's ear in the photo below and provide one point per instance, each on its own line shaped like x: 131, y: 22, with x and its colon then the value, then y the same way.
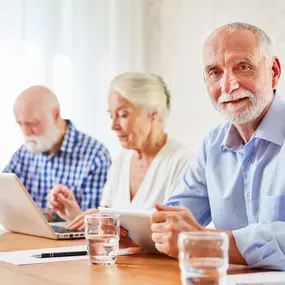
x: 56, y: 114
x: 276, y: 72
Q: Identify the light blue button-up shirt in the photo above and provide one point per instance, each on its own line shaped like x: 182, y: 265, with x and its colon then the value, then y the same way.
x: 241, y: 188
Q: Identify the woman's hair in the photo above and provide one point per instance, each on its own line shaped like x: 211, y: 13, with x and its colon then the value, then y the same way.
x: 144, y: 90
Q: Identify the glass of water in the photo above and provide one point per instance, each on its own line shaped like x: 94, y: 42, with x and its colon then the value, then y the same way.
x: 102, y: 234
x: 203, y: 257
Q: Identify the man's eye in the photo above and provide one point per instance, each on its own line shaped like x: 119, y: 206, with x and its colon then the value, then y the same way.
x: 245, y: 67
x: 213, y: 73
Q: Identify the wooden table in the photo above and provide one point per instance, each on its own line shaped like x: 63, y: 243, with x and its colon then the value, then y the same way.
x: 137, y: 269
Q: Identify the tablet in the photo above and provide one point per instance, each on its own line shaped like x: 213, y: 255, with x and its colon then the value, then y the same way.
x: 138, y: 225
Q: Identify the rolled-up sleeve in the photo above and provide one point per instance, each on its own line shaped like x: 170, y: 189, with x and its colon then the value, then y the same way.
x: 192, y: 191
x: 262, y: 245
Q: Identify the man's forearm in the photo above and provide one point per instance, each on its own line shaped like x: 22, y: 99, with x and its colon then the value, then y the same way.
x: 234, y: 255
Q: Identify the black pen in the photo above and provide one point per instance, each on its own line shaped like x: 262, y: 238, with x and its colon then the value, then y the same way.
x: 60, y: 254
x: 262, y: 283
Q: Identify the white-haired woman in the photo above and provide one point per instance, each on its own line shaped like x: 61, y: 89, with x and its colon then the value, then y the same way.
x: 151, y: 164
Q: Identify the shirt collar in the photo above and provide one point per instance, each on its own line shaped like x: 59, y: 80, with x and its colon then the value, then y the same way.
x: 69, y: 139
x: 271, y: 128
x: 232, y: 140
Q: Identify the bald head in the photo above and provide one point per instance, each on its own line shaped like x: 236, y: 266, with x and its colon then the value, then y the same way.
x: 37, y: 112
x: 36, y: 98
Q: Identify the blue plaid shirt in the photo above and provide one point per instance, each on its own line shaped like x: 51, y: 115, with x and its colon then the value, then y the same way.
x: 81, y: 164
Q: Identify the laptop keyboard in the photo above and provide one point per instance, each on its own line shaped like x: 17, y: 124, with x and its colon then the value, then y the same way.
x: 61, y: 230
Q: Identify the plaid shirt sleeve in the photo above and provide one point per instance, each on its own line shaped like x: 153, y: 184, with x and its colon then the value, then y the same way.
x: 95, y: 181
x: 11, y: 167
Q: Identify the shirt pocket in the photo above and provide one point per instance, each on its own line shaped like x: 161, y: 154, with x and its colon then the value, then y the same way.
x: 272, y: 209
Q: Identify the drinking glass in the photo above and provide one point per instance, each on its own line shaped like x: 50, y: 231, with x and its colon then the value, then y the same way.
x: 203, y: 257
x: 102, y: 234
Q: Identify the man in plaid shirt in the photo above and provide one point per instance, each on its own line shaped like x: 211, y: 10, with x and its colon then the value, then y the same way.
x: 55, y: 153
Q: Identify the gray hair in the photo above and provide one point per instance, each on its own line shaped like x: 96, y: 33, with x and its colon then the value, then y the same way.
x: 264, y: 40
x: 145, y: 90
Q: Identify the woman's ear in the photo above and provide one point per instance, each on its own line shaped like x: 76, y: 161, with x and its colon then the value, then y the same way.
x: 154, y: 116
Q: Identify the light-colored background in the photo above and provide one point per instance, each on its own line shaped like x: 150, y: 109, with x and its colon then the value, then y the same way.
x: 75, y: 47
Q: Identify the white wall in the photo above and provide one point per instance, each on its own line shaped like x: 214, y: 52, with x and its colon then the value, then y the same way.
x: 74, y: 47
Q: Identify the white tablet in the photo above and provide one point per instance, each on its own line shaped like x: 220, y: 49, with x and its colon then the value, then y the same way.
x: 137, y: 223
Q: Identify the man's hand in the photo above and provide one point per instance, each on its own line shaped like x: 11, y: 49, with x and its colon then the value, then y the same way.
x: 62, y: 201
x: 167, y: 223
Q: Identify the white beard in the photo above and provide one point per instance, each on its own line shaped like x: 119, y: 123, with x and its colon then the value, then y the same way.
x: 246, y: 113
x: 38, y: 144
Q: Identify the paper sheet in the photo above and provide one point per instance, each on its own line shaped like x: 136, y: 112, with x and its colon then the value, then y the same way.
x: 25, y: 256
x: 262, y: 278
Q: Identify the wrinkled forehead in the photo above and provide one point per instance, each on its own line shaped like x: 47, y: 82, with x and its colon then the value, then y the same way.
x: 225, y: 44
x: 27, y: 112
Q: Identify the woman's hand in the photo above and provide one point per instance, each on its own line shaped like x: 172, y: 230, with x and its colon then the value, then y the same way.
x: 78, y: 222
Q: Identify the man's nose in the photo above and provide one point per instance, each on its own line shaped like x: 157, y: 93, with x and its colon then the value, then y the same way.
x: 27, y: 131
x: 229, y: 83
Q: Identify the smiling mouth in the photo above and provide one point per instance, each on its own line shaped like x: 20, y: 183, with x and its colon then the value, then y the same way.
x: 236, y: 101
x: 122, y: 136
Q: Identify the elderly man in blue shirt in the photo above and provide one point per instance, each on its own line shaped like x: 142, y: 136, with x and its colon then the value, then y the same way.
x: 55, y: 153
x: 237, y: 180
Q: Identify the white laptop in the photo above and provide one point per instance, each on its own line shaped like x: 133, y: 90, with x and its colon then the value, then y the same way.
x: 20, y: 214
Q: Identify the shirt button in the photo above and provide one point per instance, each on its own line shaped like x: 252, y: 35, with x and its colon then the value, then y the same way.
x: 248, y: 161
x: 248, y: 195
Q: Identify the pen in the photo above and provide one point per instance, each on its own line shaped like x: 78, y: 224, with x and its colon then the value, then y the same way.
x: 262, y: 283
x: 60, y: 254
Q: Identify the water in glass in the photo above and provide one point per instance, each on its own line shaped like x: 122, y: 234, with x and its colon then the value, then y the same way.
x: 207, y: 271
x: 102, y: 248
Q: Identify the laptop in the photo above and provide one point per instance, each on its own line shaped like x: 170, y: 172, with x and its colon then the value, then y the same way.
x: 20, y: 214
